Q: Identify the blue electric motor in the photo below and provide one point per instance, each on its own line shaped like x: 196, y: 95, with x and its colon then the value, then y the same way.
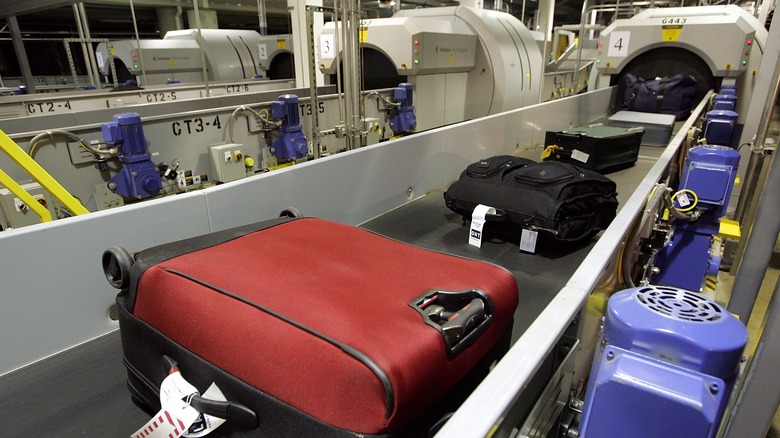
x: 404, y: 119
x: 138, y: 178
x: 666, y: 368
x: 292, y: 144
x: 707, y: 181
x: 719, y: 126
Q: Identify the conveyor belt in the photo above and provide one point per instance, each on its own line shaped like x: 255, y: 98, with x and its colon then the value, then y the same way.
x: 81, y: 392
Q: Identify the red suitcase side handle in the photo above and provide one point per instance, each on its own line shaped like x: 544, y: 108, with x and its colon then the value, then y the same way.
x: 460, y: 316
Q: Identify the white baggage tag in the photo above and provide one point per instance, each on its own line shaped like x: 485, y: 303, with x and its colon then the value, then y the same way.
x: 682, y: 199
x: 176, y: 416
x: 477, y: 223
x: 528, y: 240
x: 578, y: 155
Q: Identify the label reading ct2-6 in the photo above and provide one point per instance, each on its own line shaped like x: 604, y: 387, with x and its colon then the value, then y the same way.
x: 194, y: 126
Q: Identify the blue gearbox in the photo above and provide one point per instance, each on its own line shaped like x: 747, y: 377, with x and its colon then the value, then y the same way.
x: 292, y: 143
x: 666, y: 366
x: 138, y: 178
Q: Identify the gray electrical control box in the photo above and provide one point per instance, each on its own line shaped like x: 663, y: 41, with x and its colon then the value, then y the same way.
x: 16, y: 213
x: 227, y: 162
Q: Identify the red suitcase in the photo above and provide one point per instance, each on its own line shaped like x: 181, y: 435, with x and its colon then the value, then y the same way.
x: 311, y: 328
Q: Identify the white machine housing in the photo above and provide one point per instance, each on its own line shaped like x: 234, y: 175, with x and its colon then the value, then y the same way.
x: 727, y: 38
x: 275, y: 56
x: 161, y: 60
x: 230, y: 55
x: 464, y: 62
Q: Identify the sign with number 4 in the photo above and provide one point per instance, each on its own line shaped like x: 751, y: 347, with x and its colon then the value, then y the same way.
x: 618, y: 44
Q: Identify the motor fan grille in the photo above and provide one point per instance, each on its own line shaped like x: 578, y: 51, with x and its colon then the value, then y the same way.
x: 679, y: 304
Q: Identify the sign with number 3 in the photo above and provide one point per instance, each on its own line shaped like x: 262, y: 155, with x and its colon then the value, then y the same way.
x: 618, y: 44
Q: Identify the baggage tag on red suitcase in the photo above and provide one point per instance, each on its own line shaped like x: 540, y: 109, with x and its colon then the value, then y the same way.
x: 477, y: 223
x: 176, y: 417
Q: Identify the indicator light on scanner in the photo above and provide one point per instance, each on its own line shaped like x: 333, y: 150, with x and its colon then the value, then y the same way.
x: 416, y: 61
x: 133, y: 54
x: 416, y: 42
x: 601, y: 43
x: 750, y: 42
x: 744, y: 62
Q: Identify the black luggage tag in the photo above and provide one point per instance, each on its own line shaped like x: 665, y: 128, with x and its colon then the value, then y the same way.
x: 528, y: 240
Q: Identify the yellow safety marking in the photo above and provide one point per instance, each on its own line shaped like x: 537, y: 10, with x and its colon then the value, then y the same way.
x: 452, y: 57
x: 39, y: 174
x: 281, y: 166
x: 671, y: 33
x: 730, y: 229
x: 363, y: 34
x: 281, y: 44
x: 25, y: 197
x: 710, y: 283
x: 173, y: 63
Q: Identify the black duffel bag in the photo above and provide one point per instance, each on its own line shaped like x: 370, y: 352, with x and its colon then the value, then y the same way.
x: 672, y: 95
x: 562, y: 200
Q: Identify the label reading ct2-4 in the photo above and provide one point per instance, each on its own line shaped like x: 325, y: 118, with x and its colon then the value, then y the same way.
x: 194, y: 126
x: 48, y: 107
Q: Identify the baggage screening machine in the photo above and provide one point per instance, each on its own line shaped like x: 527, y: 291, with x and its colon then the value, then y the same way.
x: 468, y: 62
x: 275, y: 57
x: 718, y: 45
x: 230, y: 55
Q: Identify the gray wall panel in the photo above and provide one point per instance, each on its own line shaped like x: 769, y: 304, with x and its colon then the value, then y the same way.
x: 52, y: 288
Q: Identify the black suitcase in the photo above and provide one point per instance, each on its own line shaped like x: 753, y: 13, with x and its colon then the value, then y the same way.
x: 601, y: 148
x: 670, y: 95
x: 564, y: 202
x: 312, y: 328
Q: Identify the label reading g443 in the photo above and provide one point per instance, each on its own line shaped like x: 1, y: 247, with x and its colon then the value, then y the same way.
x: 673, y: 21
x: 195, y: 126
x: 48, y: 107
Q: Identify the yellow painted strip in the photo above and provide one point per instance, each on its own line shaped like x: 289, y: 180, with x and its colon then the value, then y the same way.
x: 362, y: 34
x: 730, y: 229
x: 39, y: 174
x: 22, y: 194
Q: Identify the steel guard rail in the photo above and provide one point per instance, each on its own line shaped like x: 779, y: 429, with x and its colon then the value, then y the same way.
x: 482, y: 413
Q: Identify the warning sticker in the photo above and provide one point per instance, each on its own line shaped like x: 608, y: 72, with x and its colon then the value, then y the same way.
x: 671, y: 32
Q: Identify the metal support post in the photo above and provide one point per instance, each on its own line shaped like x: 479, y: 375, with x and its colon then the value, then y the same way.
x: 21, y: 54
x: 313, y: 96
x: 759, y: 396
x: 297, y: 9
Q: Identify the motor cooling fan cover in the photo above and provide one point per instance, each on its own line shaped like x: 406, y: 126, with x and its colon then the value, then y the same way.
x: 676, y: 326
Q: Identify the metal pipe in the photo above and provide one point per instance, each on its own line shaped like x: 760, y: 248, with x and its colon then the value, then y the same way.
x: 581, y: 34
x: 757, y: 153
x: 342, y: 116
x: 21, y: 54
x: 90, y: 49
x: 262, y: 21
x: 177, y: 17
x: 354, y: 95
x: 138, y: 42
x: 758, y: 240
x: 77, y: 16
x: 202, y: 51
